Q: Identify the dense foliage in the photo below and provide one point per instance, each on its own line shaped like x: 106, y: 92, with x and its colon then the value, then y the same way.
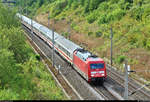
x: 30, y: 6
x: 22, y: 76
x: 128, y: 13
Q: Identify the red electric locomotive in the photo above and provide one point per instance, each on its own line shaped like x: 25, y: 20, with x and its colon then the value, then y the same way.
x: 89, y: 66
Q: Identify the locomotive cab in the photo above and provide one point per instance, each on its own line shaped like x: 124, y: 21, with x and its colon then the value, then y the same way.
x: 97, y: 69
x: 89, y: 66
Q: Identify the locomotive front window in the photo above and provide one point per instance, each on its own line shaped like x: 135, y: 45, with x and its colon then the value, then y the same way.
x: 97, y: 66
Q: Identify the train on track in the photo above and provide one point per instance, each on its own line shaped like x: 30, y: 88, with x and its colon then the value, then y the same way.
x: 91, y: 67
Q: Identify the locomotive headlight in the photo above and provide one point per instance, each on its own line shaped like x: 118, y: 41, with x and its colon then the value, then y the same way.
x: 101, y: 71
x: 93, y: 72
x: 102, y: 74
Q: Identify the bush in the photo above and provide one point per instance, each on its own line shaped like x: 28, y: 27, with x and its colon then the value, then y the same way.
x: 65, y: 34
x: 8, y: 94
x: 73, y: 25
x: 94, y: 4
x: 114, y: 1
x: 116, y: 14
x: 124, y: 50
x: 98, y: 34
x: 7, y: 67
x: 102, y: 19
x: 132, y: 39
x: 86, y: 8
x: 103, y: 6
x: 37, y: 57
x: 58, y: 7
x: 90, y: 33
x: 120, y: 59
x: 91, y: 18
x: 148, y: 44
x: 75, y: 5
x: 70, y: 3
x: 146, y: 14
x: 137, y: 12
x: 129, y: 1
x: 82, y: 2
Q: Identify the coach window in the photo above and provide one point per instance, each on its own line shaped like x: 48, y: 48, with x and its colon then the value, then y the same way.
x: 63, y: 49
x: 68, y: 53
x: 49, y: 39
x: 59, y: 46
x: 77, y: 54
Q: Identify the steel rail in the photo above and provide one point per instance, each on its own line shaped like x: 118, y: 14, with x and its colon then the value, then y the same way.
x: 120, y: 79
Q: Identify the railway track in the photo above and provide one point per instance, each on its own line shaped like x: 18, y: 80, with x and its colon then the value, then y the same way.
x: 105, y: 93
x: 79, y: 84
x: 116, y: 77
x: 62, y: 83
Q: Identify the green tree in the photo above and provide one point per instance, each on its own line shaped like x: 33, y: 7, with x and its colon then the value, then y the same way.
x: 7, y: 67
x: 94, y: 4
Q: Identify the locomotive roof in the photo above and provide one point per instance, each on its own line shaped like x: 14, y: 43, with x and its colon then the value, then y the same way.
x: 95, y: 59
x: 84, y: 54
